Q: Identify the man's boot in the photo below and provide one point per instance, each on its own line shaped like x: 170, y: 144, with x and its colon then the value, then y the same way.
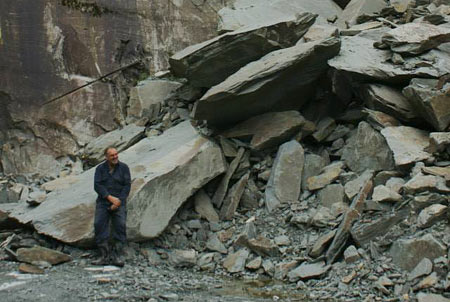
x: 117, y: 256
x: 104, y: 255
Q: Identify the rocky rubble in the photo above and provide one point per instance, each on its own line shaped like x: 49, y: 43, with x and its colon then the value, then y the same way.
x: 324, y: 165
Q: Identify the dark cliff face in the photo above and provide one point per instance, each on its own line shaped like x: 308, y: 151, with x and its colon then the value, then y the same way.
x: 50, y: 47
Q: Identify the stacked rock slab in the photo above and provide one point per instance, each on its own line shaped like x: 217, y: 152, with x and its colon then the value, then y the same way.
x: 166, y: 170
x: 281, y: 80
x: 209, y: 63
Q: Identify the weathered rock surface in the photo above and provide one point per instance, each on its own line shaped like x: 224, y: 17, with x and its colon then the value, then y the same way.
x: 407, y: 253
x: 330, y: 195
x: 425, y: 267
x: 146, y: 98
x: 210, y: 62
x: 308, y: 271
x: 235, y: 262
x: 407, y: 144
x: 357, y: 8
x: 120, y: 139
x: 263, y: 85
x: 359, y: 58
x: 388, y: 100
x: 421, y: 183
x: 313, y: 166
x: 329, y: 174
x: 267, y: 130
x: 431, y: 215
x: 246, y: 13
x: 367, y: 150
x: 180, y: 159
x: 39, y: 253
x: 204, y: 206
x: 416, y: 38
x: 439, y: 141
x: 320, y: 32
x: 233, y: 198
x: 423, y: 297
x: 285, y: 180
x: 431, y: 103
x: 383, y: 193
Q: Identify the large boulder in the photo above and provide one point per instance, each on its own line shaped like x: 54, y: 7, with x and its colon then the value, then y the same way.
x: 208, y: 63
x: 360, y: 59
x: 273, y: 83
x: 165, y: 170
x: 431, y: 102
x: 248, y: 13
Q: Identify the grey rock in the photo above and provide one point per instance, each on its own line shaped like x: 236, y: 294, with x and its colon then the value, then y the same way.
x: 431, y: 215
x: 424, y: 297
x: 259, y: 245
x: 35, y: 198
x: 416, y: 38
x: 407, y: 253
x: 407, y: 144
x: 351, y: 254
x: 282, y: 240
x: 204, y: 206
x: 246, y: 13
x: 233, y: 198
x: 363, y: 61
x: 388, y: 100
x: 312, y: 167
x: 401, y: 6
x: 308, y: 271
x: 120, y: 139
x: 383, y: 193
x: 221, y: 190
x: 395, y: 184
x: 421, y: 183
x: 39, y: 253
x: 146, y: 98
x: 329, y: 174
x: 331, y: 194
x: 214, y: 244
x: 324, y: 128
x: 183, y: 258
x: 235, y: 262
x: 425, y: 267
x: 358, y: 28
x: 380, y: 120
x: 321, y: 244
x: 424, y: 200
x: 367, y: 150
x: 205, y: 261
x: 430, y: 102
x: 254, y: 264
x: 262, y: 86
x: 383, y: 176
x: 268, y: 267
x: 268, y: 130
x: 208, y: 63
x: 283, y: 268
x: 339, y: 132
x: 357, y: 8
x: 180, y: 159
x: 439, y: 141
x: 427, y: 282
x: 353, y: 187
x: 284, y: 184
x: 320, y: 31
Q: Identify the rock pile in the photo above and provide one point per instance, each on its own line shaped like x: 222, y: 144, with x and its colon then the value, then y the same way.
x: 323, y: 162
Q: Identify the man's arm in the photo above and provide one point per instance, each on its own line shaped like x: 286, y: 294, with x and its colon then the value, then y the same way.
x: 127, y: 179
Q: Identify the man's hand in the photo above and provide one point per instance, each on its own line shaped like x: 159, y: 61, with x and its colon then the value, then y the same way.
x: 115, y: 201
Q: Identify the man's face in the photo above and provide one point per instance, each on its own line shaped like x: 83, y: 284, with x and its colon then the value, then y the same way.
x: 112, y: 157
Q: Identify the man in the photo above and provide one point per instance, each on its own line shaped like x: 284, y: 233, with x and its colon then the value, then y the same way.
x: 112, y: 183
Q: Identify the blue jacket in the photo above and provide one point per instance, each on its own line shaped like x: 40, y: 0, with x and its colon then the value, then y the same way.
x: 116, y: 184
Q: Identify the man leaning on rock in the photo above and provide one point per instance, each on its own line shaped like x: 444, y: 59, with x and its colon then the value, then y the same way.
x: 112, y: 183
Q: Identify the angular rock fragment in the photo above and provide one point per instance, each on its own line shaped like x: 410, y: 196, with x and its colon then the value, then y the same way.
x: 209, y: 63
x: 254, y: 264
x: 264, y: 85
x: 39, y: 253
x: 324, y: 128
x: 416, y: 38
x: 231, y: 202
x: 407, y: 144
x: 343, y: 231
x: 221, y: 190
x: 204, y: 207
x: 421, y: 183
x: 246, y: 13
x: 401, y: 6
x: 267, y: 130
x: 215, y: 245
x: 439, y: 141
x: 383, y: 193
x: 179, y: 159
x: 235, y: 262
x: 427, y: 282
x: 351, y: 254
x: 367, y: 150
x: 183, y: 258
x: 313, y: 166
x: 359, y: 58
x: 308, y: 271
x: 285, y: 180
x: 321, y: 244
x: 438, y: 171
x: 283, y: 268
x: 30, y: 269
x: 388, y: 100
x: 146, y: 98
x: 331, y: 194
x: 380, y: 120
x: 353, y: 187
x: 425, y: 267
x: 432, y: 103
x: 357, y: 8
x: 431, y: 215
x: 407, y: 253
x: 363, y: 234
x: 424, y: 297
x: 329, y: 174
x: 259, y: 245
x: 120, y: 139
x: 320, y: 31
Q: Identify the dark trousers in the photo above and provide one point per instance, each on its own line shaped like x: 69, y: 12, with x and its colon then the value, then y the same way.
x: 103, y: 216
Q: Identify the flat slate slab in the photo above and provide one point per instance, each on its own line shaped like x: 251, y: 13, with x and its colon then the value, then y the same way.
x: 165, y: 170
x: 273, y: 83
